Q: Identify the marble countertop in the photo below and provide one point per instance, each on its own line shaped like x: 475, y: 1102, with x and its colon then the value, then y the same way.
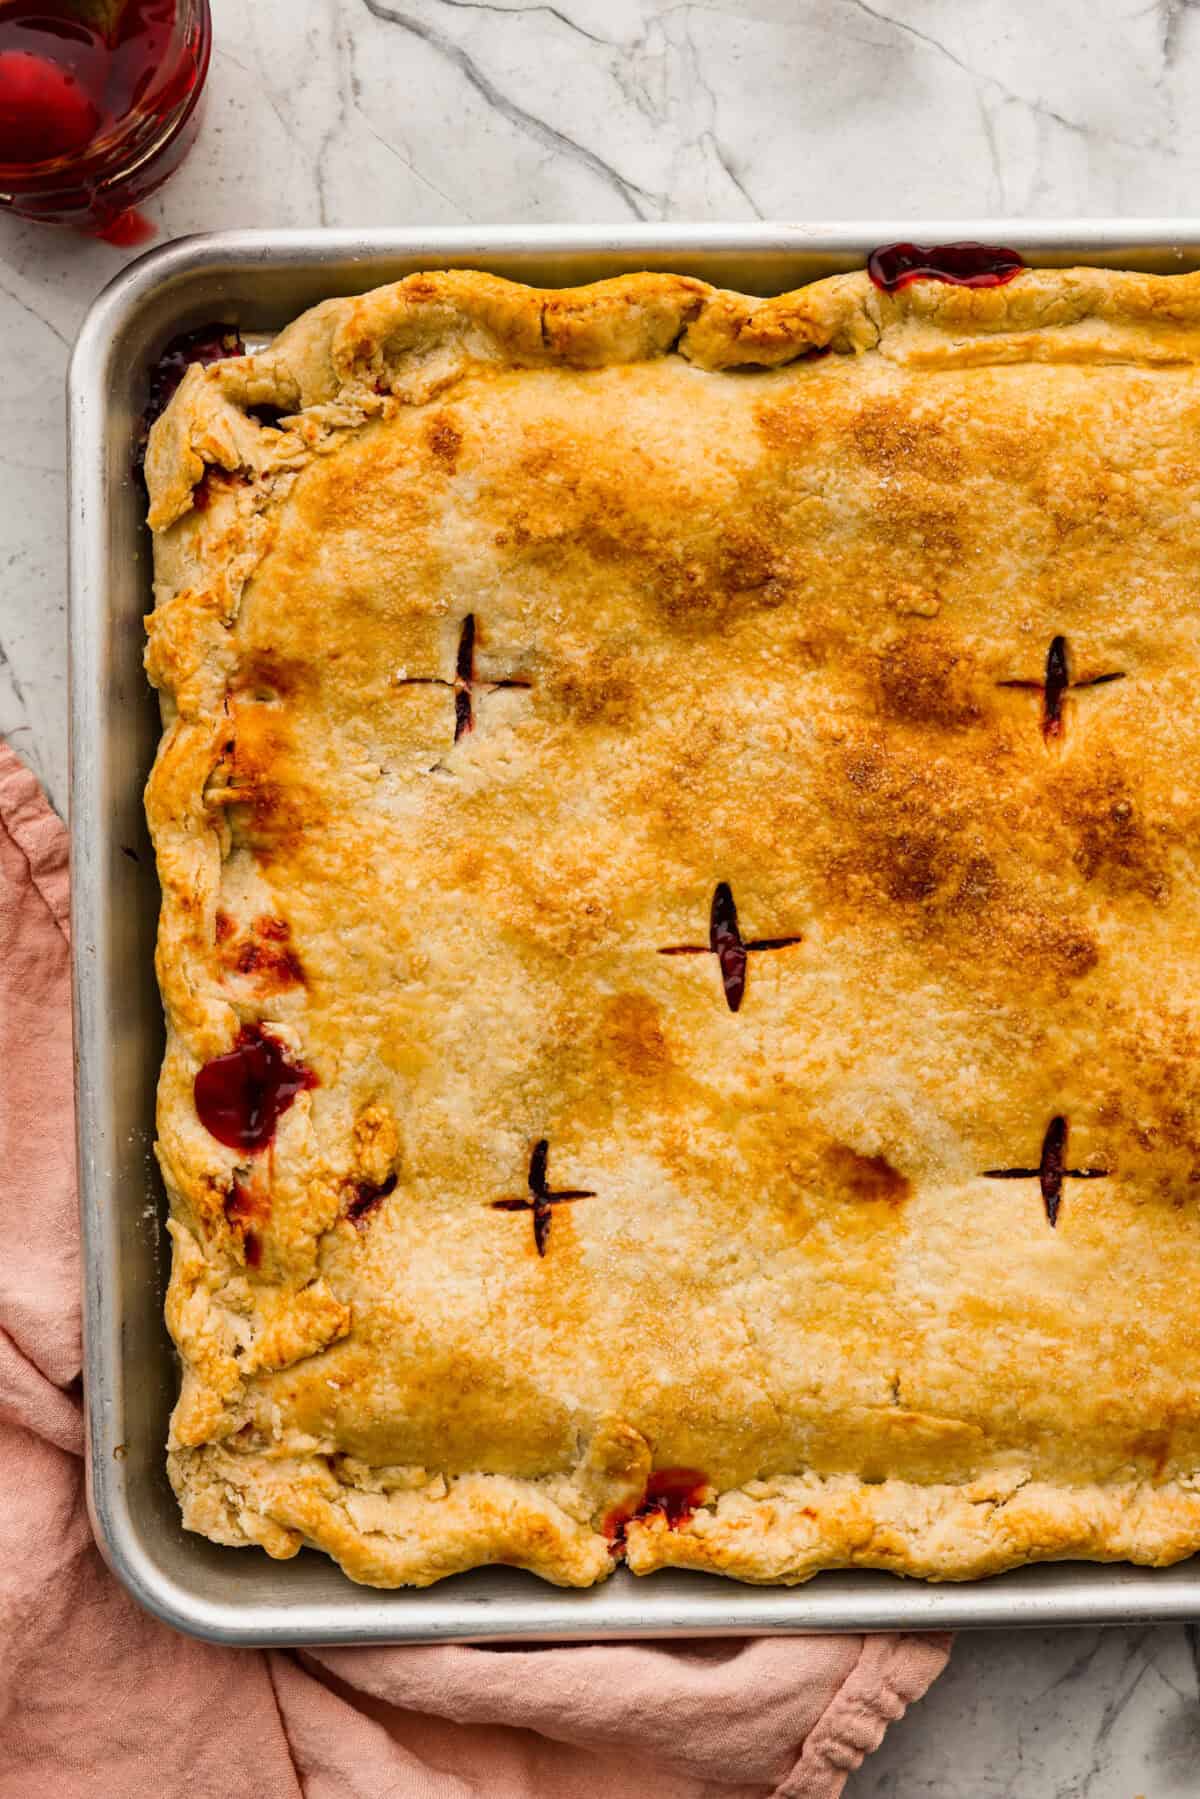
x: 361, y: 112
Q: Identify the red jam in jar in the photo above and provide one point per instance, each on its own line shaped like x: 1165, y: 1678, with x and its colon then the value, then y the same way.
x: 98, y: 105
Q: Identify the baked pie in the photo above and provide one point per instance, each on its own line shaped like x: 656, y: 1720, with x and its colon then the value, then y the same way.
x: 678, y: 822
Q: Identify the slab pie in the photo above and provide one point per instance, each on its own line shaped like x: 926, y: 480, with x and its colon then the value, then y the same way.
x: 678, y: 819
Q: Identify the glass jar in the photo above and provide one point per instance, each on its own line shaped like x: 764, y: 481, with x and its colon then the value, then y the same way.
x: 99, y: 103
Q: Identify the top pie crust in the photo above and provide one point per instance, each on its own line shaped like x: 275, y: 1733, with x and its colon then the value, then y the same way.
x: 765, y: 607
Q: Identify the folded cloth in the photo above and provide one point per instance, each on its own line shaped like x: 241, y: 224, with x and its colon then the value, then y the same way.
x: 100, y: 1701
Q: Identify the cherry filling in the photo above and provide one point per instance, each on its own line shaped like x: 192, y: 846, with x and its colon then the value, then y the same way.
x: 675, y: 1492
x: 1052, y: 1167
x: 248, y: 1207
x: 894, y: 266
x: 726, y: 944
x: 240, y: 1097
x: 671, y: 1493
x: 1057, y: 685
x: 464, y: 675
x: 243, y: 1206
x: 1057, y: 682
x: 541, y: 1199
x: 207, y: 344
x: 265, y: 953
x: 1051, y: 1170
x: 367, y: 1197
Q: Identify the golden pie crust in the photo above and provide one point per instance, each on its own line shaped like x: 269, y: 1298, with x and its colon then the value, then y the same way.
x: 750, y: 582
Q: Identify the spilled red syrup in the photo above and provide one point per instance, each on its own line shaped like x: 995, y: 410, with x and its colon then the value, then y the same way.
x: 894, y: 266
x: 240, y: 1097
x: 671, y: 1493
x: 367, y: 1196
x: 127, y: 230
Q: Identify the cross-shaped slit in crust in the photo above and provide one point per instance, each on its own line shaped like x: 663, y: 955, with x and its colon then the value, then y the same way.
x: 541, y: 1199
x: 465, y: 680
x: 1051, y: 1171
x: 1057, y: 684
x: 726, y: 943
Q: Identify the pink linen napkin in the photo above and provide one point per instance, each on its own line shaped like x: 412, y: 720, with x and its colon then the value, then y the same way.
x: 100, y: 1701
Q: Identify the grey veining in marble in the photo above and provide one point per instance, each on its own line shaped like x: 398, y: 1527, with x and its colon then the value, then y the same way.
x: 1069, y: 1714
x: 450, y: 111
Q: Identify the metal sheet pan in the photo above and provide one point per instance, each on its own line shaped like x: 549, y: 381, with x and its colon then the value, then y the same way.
x: 259, y: 280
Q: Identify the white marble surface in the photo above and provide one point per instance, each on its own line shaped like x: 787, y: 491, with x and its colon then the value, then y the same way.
x: 437, y: 111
